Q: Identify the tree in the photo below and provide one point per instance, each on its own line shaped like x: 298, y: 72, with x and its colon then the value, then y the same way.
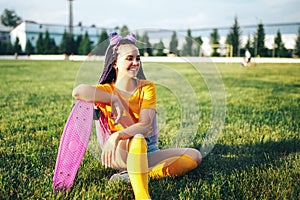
x: 297, y: 44
x: 249, y: 46
x: 139, y: 43
x: 103, y: 43
x: 77, y: 43
x: 124, y: 31
x: 53, y: 47
x: 187, y: 47
x: 6, y: 48
x: 46, y: 43
x: 198, y: 44
x: 29, y: 48
x: 160, y: 48
x: 214, y: 40
x: 173, y: 43
x: 279, y: 46
x: 10, y: 18
x: 85, y: 45
x: 146, y: 44
x: 233, y: 38
x: 67, y: 44
x: 17, y: 46
x: 259, y: 41
x: 39, y: 46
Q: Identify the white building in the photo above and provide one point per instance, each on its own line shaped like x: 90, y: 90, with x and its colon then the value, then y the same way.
x: 4, y: 33
x: 30, y: 30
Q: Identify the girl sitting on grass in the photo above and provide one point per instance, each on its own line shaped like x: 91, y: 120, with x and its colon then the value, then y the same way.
x: 128, y: 107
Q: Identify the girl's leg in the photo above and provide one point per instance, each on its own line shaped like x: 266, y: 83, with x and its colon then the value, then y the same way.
x: 132, y: 154
x: 137, y: 166
x: 173, y: 162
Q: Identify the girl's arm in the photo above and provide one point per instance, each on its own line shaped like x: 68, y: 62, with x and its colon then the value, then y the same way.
x: 90, y: 93
x: 142, y: 127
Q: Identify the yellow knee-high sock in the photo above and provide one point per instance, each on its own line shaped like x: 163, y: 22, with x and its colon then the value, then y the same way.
x: 174, y: 166
x: 137, y: 167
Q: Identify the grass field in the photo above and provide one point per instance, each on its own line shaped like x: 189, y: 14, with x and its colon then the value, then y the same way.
x: 257, y: 155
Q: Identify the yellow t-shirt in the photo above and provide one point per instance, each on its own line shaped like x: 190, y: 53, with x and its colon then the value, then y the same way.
x: 143, y: 97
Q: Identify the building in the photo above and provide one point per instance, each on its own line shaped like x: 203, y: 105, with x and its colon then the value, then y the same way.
x: 4, y: 34
x: 289, y: 32
x: 30, y: 30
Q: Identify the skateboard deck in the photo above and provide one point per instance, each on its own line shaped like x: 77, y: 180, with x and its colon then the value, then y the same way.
x: 74, y: 141
x: 102, y: 130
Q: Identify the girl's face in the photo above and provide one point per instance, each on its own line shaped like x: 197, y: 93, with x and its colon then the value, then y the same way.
x: 128, y: 62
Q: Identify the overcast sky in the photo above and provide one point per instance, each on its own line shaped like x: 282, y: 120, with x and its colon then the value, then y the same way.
x: 172, y: 14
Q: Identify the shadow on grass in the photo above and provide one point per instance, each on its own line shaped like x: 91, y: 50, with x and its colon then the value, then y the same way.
x: 228, y: 158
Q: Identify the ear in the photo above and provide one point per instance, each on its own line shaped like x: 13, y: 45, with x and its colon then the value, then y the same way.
x: 115, y: 64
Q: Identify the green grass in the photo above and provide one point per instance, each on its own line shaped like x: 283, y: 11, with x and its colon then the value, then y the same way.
x: 257, y: 155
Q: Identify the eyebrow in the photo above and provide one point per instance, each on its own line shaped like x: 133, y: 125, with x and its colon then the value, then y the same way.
x: 133, y: 56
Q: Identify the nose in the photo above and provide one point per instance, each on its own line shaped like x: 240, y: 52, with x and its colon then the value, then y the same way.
x: 136, y: 62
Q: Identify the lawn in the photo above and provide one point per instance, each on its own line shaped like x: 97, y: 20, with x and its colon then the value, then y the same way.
x: 256, y: 156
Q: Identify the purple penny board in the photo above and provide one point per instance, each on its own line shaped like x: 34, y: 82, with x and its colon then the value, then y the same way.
x: 73, y: 145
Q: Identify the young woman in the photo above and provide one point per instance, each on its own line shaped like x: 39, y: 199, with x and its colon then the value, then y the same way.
x: 128, y: 107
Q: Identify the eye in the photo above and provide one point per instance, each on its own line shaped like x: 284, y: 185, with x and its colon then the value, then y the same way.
x: 130, y: 58
x: 138, y: 58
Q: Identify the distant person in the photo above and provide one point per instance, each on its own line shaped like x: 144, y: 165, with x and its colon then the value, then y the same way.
x: 127, y: 104
x: 247, y: 61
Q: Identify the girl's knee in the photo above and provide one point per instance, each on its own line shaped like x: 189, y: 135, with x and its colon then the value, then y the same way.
x: 139, y: 136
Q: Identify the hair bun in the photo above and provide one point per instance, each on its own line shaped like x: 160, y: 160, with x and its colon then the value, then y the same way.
x: 131, y: 37
x: 114, y: 38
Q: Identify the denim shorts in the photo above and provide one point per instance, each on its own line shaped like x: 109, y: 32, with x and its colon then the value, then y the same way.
x: 152, y: 144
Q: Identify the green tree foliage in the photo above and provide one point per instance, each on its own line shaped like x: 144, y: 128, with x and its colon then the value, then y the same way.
x: 6, y: 48
x: 103, y: 43
x: 248, y: 46
x: 39, y: 46
x: 124, y: 31
x: 46, y: 44
x: 67, y: 45
x: 10, y: 18
x: 297, y: 44
x: 174, y: 43
x: 29, y: 48
x: 159, y: 47
x: 53, y: 47
x: 17, y: 47
x: 146, y: 45
x: 187, y: 47
x: 233, y: 38
x: 85, y: 45
x: 280, y: 50
x: 198, y: 43
x: 259, y: 41
x: 139, y: 43
x: 77, y: 43
x: 214, y: 40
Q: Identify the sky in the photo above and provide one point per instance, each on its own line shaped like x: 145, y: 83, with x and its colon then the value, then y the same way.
x: 163, y: 14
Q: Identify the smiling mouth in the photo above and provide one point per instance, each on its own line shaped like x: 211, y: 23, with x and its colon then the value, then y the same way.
x: 133, y: 69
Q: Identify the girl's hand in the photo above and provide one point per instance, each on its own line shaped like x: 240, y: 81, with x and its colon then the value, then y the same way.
x: 109, y: 150
x: 117, y: 108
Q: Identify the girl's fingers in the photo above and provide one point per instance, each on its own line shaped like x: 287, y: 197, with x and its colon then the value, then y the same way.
x: 119, y: 112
